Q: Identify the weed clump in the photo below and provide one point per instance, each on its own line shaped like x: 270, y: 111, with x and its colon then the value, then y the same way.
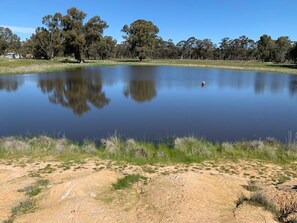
x: 284, y: 210
x: 255, y: 145
x: 14, y: 144
x: 113, y: 145
x: 23, y: 207
x: 89, y: 147
x: 128, y: 149
x: 259, y: 199
x: 226, y: 146
x: 35, y: 188
x: 193, y: 146
x: 251, y: 187
x: 127, y: 181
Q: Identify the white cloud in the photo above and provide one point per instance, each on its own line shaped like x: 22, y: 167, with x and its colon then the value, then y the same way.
x: 20, y: 29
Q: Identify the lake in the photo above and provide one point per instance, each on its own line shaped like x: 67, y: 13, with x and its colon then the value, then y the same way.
x: 149, y: 102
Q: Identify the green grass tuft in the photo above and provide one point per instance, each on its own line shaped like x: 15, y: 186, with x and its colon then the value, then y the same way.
x: 259, y: 199
x: 251, y: 187
x: 127, y: 181
x: 35, y: 188
x: 24, y: 207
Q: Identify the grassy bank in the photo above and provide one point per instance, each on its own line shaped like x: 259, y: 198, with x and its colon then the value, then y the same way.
x: 25, y: 66
x: 180, y: 150
x: 231, y: 65
x: 39, y: 66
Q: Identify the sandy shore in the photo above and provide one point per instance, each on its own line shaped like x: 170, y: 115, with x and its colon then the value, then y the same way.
x: 83, y: 192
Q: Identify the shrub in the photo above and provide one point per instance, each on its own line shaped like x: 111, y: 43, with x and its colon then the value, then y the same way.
x: 113, y: 145
x: 193, y: 146
x: 226, y: 146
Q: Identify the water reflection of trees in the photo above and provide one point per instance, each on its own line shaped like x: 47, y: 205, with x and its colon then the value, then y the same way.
x: 75, y: 93
x: 141, y: 90
x: 293, y: 85
x: 9, y: 84
x: 141, y: 86
x: 260, y: 82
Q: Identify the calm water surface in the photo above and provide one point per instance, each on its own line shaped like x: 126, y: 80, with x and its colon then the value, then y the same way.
x: 149, y: 102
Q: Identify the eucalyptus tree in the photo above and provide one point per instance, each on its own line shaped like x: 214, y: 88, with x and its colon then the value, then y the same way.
x: 247, y: 48
x: 122, y: 50
x: 67, y: 33
x: 225, y: 48
x: 73, y: 33
x: 171, y: 50
x: 8, y: 41
x: 265, y: 49
x: 40, y: 43
x: 166, y: 50
x: 78, y: 37
x: 182, y: 48
x: 204, y: 49
x: 103, y: 49
x: 27, y: 47
x: 54, y: 34
x: 93, y: 34
x: 282, y: 49
x: 293, y: 52
x: 46, y: 42
x: 186, y: 48
x: 141, y: 36
x: 242, y: 48
x: 190, y: 46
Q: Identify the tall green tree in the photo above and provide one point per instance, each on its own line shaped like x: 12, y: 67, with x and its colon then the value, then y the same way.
x: 46, y: 42
x: 225, y: 48
x: 204, y: 49
x: 142, y: 37
x: 8, y: 41
x: 73, y: 33
x: 186, y: 48
x: 40, y: 42
x: 106, y: 47
x: 93, y: 33
x: 103, y: 48
x: 182, y: 48
x: 282, y: 49
x: 122, y: 50
x: 166, y: 50
x: 27, y: 48
x: 53, y: 30
x: 266, y: 46
x: 293, y: 52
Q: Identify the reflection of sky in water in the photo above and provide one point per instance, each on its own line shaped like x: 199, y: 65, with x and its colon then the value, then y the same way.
x: 150, y: 102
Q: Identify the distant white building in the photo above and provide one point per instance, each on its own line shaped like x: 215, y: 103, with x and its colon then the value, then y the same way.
x: 11, y: 55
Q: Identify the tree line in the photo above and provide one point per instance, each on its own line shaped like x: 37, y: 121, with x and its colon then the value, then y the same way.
x: 70, y: 35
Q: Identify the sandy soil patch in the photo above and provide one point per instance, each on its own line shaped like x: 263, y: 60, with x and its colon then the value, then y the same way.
x: 182, y: 193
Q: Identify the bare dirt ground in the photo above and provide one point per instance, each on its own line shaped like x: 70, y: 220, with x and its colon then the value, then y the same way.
x: 83, y: 192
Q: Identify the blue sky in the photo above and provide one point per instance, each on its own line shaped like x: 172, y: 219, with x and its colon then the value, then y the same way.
x: 176, y: 20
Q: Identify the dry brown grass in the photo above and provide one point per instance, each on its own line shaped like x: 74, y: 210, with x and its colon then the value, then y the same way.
x: 38, y: 66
